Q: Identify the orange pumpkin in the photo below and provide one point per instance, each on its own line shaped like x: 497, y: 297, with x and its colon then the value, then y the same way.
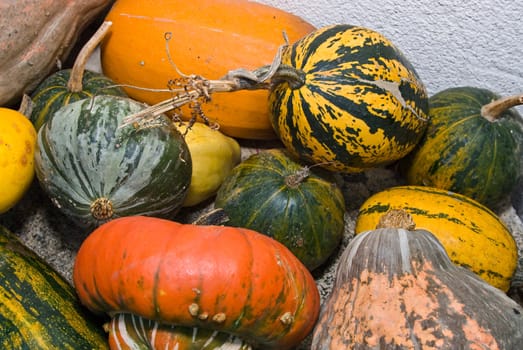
x: 226, y: 279
x: 208, y: 38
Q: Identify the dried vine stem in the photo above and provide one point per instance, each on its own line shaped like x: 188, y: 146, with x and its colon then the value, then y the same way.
x: 191, y: 88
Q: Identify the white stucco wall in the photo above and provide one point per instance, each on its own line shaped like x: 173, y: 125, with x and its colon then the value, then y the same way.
x: 449, y: 42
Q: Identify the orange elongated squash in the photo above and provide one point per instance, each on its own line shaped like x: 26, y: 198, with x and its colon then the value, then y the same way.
x: 207, y: 38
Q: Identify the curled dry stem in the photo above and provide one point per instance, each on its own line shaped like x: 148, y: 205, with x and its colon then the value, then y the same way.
x: 192, y: 88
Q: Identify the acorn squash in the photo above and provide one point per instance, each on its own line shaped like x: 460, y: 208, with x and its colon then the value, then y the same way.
x: 94, y: 170
x: 274, y: 193
x: 346, y: 97
x: 473, y: 145
x: 70, y: 85
x: 473, y: 236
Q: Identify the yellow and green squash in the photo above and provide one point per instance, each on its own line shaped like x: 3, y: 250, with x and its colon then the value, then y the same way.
x: 473, y: 145
x: 473, y: 236
x: 346, y: 97
x: 38, y: 308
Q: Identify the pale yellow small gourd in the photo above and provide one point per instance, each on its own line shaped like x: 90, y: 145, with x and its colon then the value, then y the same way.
x: 213, y: 157
x: 17, y: 148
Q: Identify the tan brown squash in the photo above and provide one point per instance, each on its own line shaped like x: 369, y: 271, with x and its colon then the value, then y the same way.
x: 35, y: 36
x: 397, y: 288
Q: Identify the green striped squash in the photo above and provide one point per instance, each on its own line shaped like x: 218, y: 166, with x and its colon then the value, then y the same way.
x: 94, y: 170
x: 129, y: 331
x: 54, y: 93
x: 467, y: 148
x: 473, y: 236
x: 273, y: 193
x: 346, y: 97
x: 38, y: 308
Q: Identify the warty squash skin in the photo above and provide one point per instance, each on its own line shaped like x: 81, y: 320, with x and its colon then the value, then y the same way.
x: 222, y: 278
x: 346, y: 97
x: 473, y: 236
x: 468, y: 150
x: 396, y: 288
x: 94, y: 170
x: 208, y: 38
x: 35, y: 36
x: 38, y: 308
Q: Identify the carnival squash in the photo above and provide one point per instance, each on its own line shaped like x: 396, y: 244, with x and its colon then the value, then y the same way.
x: 38, y: 308
x: 17, y: 149
x: 207, y: 38
x: 226, y: 279
x: 35, y: 37
x: 396, y: 288
x: 70, y: 85
x: 473, y: 236
x: 94, y: 170
x: 346, y: 97
x: 273, y: 193
x: 213, y: 156
x: 473, y: 145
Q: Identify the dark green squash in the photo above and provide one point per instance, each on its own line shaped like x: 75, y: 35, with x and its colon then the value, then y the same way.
x: 473, y: 145
x: 95, y: 170
x: 38, y: 308
x: 70, y: 85
x: 347, y: 97
x: 301, y: 207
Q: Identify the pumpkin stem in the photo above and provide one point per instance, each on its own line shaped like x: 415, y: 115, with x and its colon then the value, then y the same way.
x: 396, y: 218
x: 290, y: 75
x: 493, y: 110
x: 77, y: 72
x: 295, y: 179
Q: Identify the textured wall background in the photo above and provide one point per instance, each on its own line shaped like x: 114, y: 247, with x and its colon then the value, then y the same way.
x: 450, y: 43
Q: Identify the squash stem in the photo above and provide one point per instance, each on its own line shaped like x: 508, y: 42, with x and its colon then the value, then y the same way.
x: 396, y: 218
x: 75, y: 83
x: 493, y: 110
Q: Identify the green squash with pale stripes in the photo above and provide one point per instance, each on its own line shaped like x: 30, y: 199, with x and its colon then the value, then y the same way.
x: 54, y: 93
x: 273, y: 193
x: 38, y: 308
x: 94, y: 169
x: 465, y: 150
x: 346, y: 97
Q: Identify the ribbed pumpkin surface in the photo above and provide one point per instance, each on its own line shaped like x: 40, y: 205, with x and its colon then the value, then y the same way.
x: 52, y: 93
x: 466, y: 153
x: 85, y: 160
x: 473, y: 236
x: 265, y: 193
x: 357, y: 104
x: 38, y: 308
x: 223, y: 278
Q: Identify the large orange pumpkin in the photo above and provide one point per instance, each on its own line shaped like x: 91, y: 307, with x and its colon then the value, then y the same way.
x: 221, y: 278
x: 207, y: 38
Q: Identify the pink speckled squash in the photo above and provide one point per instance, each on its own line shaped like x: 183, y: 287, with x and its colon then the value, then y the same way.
x: 396, y: 288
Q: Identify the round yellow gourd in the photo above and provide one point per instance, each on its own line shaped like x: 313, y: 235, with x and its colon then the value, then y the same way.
x: 213, y: 156
x: 17, y: 148
x: 473, y: 236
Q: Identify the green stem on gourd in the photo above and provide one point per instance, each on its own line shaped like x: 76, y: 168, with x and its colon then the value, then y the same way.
x: 493, y: 110
x: 74, y: 83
